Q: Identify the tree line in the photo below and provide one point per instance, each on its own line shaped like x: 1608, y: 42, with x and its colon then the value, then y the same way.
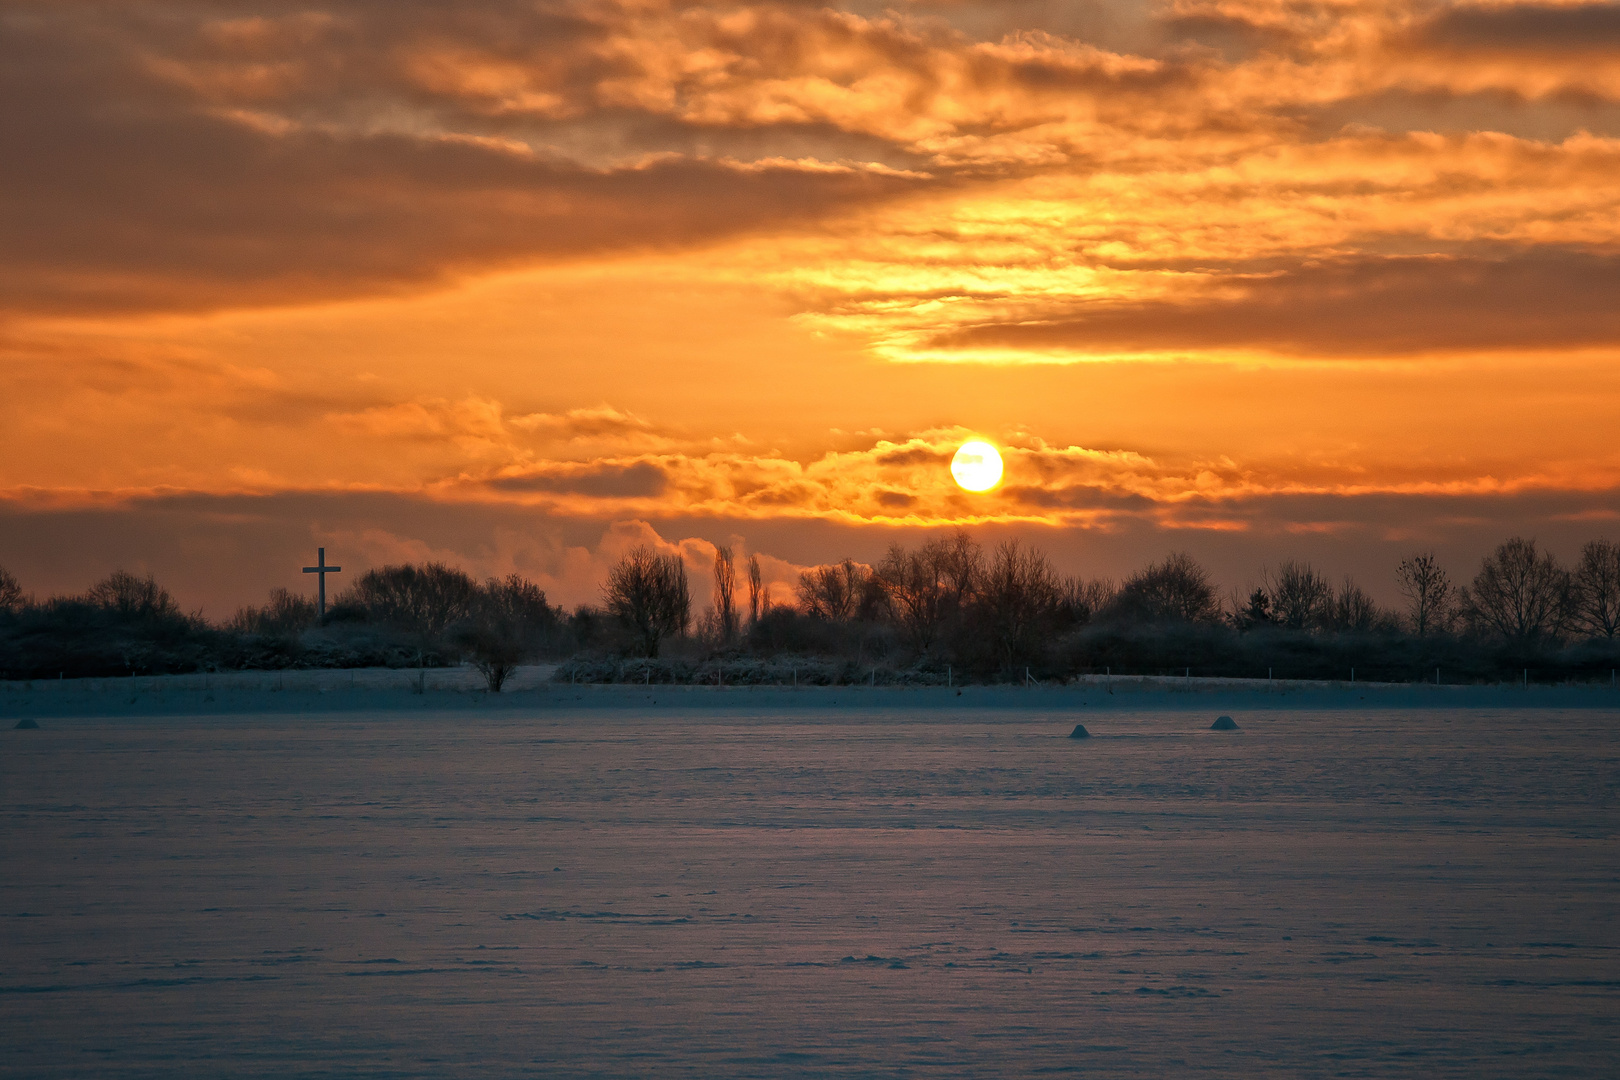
x: 393, y: 616
x: 949, y: 607
x: 1006, y: 612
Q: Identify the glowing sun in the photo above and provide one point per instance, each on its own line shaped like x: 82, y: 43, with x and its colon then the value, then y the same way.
x: 977, y: 466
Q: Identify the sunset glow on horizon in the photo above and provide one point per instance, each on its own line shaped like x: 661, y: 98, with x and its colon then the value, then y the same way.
x: 513, y: 284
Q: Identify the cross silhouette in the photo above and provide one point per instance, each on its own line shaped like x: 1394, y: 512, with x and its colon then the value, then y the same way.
x: 322, y: 569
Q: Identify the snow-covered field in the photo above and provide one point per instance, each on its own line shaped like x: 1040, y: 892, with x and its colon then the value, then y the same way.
x: 235, y: 879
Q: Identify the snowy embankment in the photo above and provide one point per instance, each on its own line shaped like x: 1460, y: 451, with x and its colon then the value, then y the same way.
x: 461, y: 689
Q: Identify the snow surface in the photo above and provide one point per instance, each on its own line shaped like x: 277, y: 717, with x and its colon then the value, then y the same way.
x: 233, y: 880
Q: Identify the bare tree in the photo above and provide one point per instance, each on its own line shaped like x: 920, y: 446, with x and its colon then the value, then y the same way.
x: 424, y: 601
x: 648, y: 594
x: 1427, y: 590
x: 962, y: 563
x: 1018, y: 593
x: 756, y: 591
x: 11, y: 594
x: 129, y: 596
x: 1353, y: 609
x: 1520, y: 593
x: 1301, y: 599
x: 1596, y: 590
x: 287, y: 614
x: 509, y: 622
x: 837, y: 592
x: 725, y: 590
x: 1175, y: 590
x: 918, y: 589
x: 1081, y: 600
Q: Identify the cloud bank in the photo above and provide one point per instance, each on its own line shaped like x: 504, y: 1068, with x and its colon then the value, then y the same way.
x: 910, y: 175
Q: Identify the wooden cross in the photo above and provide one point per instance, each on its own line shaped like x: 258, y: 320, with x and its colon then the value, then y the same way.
x: 322, y: 569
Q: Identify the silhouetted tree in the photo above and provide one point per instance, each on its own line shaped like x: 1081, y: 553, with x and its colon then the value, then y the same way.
x: 1354, y: 610
x: 725, y: 588
x: 1597, y: 590
x: 756, y: 590
x: 508, y: 624
x: 648, y: 594
x: 425, y: 601
x: 1428, y: 592
x: 586, y: 627
x: 1301, y: 599
x: 1175, y: 590
x: 1079, y: 600
x: 285, y: 615
x: 962, y: 564
x: 11, y: 594
x: 1252, y: 613
x: 129, y: 597
x: 837, y: 593
x: 918, y: 589
x: 1520, y: 593
x: 1018, y: 595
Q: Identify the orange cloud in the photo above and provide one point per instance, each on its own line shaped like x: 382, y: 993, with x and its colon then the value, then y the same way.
x: 1032, y: 179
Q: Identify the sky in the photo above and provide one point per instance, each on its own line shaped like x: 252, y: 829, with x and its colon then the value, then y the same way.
x: 518, y: 285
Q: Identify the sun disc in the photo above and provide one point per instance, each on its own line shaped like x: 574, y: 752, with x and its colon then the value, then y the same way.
x: 977, y: 466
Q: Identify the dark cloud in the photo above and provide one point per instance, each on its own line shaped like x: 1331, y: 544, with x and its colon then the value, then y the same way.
x: 1523, y: 28
x: 1127, y: 27
x: 1229, y: 34
x: 641, y: 480
x: 193, y: 212
x: 896, y: 500
x: 1354, y: 307
x: 1437, y: 109
x: 913, y: 455
x: 123, y: 190
x: 1076, y: 497
x: 586, y: 423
